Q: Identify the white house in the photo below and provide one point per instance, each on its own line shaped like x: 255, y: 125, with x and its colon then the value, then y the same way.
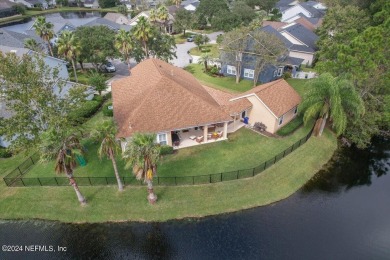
x: 309, y: 9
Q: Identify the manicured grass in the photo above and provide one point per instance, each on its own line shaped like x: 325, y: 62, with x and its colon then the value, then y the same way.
x: 226, y: 83
x: 107, y: 204
x: 308, y: 69
x: 83, y: 75
x: 212, y: 49
x: 180, y: 38
x: 291, y: 126
x: 244, y: 149
x: 300, y: 85
x: 8, y: 164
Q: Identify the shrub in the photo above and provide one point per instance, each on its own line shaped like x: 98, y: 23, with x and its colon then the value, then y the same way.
x: 88, y: 109
x: 166, y: 149
x: 98, y: 98
x: 107, y: 111
x: 287, y: 75
x: 4, y: 153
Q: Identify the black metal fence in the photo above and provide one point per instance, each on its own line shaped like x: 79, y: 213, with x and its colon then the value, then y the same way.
x: 16, y: 179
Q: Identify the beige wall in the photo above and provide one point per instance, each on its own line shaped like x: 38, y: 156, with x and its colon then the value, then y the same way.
x: 306, y: 56
x: 259, y: 113
x: 169, y: 138
x: 287, y: 117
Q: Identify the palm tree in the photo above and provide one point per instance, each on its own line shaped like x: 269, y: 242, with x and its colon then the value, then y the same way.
x: 142, y: 154
x: 124, y: 44
x: 109, y: 147
x: 65, y: 149
x: 32, y: 44
x: 177, y: 2
x: 334, y: 99
x: 163, y: 16
x: 205, y: 58
x: 44, y: 30
x: 153, y: 16
x: 69, y: 47
x: 143, y: 32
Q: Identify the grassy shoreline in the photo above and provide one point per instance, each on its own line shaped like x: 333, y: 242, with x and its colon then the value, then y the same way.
x: 106, y: 204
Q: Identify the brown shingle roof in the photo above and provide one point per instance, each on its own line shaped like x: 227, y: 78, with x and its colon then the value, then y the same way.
x: 277, y: 95
x: 274, y: 24
x: 223, y: 99
x: 160, y: 97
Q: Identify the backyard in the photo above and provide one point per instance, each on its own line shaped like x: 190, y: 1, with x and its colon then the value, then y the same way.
x: 211, y: 49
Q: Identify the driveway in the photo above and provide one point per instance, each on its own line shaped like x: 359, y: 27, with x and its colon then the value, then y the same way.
x: 183, y: 58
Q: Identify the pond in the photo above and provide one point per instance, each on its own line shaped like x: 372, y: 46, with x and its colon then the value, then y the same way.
x: 342, y: 213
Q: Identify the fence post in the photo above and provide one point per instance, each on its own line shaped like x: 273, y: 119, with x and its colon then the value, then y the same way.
x: 22, y: 181
x: 193, y: 180
x: 237, y: 174
x: 106, y: 180
x: 253, y: 172
x: 19, y: 171
x: 275, y: 159
x: 40, y: 183
x: 175, y: 181
x: 55, y: 178
x: 300, y: 142
x: 265, y: 165
x: 158, y: 180
x: 221, y: 176
x: 284, y: 153
x: 210, y: 178
x: 89, y: 179
x: 32, y: 159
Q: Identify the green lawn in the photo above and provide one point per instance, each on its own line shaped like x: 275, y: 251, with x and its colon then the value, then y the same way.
x: 212, y: 49
x: 83, y: 75
x: 107, y: 204
x: 226, y: 83
x: 300, y: 85
x: 244, y: 149
x: 291, y: 126
x: 180, y: 38
x: 8, y: 164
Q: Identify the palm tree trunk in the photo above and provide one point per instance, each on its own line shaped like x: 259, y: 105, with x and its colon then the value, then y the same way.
x: 74, y: 71
x: 323, y: 124
x: 50, y: 49
x: 152, y: 198
x: 146, y: 50
x: 118, y: 179
x: 73, y: 182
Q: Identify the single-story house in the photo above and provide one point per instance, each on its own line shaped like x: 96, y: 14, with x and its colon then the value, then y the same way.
x: 309, y: 9
x: 117, y: 18
x: 190, y: 5
x: 160, y: 98
x: 146, y: 14
x: 34, y: 3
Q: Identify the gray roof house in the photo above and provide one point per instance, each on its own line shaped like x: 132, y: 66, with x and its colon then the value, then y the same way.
x: 15, y: 39
x: 309, y: 9
x: 110, y: 24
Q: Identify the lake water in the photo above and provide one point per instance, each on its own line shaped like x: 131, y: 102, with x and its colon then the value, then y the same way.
x: 342, y: 213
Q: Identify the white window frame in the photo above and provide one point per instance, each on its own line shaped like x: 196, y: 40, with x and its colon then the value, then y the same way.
x: 248, y: 73
x: 162, y: 140
x: 231, y: 70
x: 275, y: 73
x: 281, y: 120
x: 280, y: 71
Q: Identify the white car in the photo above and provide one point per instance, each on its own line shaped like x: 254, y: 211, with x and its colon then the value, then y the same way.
x: 108, y: 67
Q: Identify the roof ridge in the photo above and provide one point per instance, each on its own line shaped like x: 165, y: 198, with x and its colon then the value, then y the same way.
x: 157, y: 66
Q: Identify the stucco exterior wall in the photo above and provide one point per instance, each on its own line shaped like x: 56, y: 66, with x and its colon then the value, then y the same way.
x: 287, y: 117
x: 260, y: 113
x: 308, y: 57
x: 169, y: 138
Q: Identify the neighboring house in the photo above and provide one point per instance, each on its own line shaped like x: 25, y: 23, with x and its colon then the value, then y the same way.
x: 51, y: 62
x: 190, y: 5
x: 288, y: 63
x: 168, y: 25
x: 303, y: 42
x: 117, y: 18
x: 168, y: 101
x: 110, y: 24
x: 309, y: 9
x: 273, y: 24
x: 310, y: 23
x: 91, y: 4
x: 17, y: 40
x: 285, y: 4
x: 33, y: 3
x: 274, y: 104
x: 58, y: 28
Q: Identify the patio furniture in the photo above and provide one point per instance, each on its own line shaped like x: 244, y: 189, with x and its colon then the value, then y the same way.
x: 220, y: 134
x: 199, y: 139
x: 192, y: 137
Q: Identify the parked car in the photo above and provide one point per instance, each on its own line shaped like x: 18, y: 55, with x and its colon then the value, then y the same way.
x: 108, y: 67
x: 190, y: 39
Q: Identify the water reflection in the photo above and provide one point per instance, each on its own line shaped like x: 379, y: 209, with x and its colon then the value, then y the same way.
x: 350, y: 167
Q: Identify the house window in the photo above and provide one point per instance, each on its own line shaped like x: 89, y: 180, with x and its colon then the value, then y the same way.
x: 280, y: 71
x: 275, y: 73
x: 281, y: 120
x: 162, y: 138
x: 296, y: 110
x: 249, y: 73
x: 231, y: 70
